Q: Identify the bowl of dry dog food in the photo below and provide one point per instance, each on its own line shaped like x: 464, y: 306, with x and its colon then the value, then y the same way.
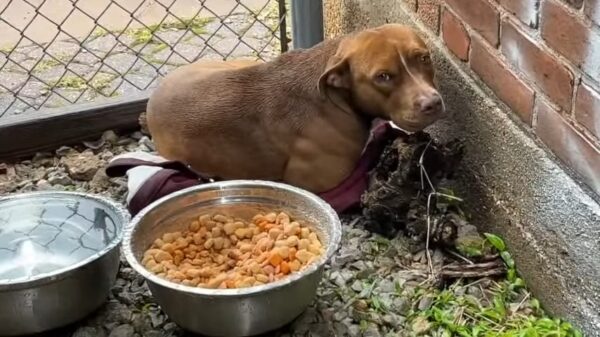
x: 236, y: 258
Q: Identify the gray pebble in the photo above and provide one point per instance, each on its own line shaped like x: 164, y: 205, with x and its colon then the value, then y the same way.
x: 59, y: 178
x: 110, y: 137
x: 88, y: 331
x: 387, y: 286
x: 425, y: 303
x: 401, y: 305
x: 124, y: 330
x: 147, y: 144
x: 357, y: 286
x: 64, y: 150
x: 372, y: 331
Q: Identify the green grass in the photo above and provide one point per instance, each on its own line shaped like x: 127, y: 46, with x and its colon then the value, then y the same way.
x: 145, y: 35
x: 7, y: 49
x: 46, y: 64
x: 73, y: 82
x: 507, y: 310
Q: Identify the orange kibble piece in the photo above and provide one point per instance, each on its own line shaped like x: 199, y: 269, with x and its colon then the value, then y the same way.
x: 219, y: 251
x: 292, y: 254
x: 275, y: 259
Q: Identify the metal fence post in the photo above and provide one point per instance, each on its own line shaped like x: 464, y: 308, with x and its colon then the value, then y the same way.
x: 307, y: 23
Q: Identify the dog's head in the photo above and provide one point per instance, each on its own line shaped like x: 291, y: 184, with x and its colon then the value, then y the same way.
x: 385, y: 72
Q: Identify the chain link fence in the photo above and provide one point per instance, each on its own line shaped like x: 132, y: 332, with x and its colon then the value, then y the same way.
x: 55, y: 53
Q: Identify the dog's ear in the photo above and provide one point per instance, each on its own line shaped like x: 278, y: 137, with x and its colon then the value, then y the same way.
x: 335, y: 83
x: 336, y: 75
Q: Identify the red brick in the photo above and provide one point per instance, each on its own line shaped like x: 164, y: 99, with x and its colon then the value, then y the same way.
x: 587, y: 109
x: 480, y: 15
x: 567, y: 34
x: 524, y: 10
x: 429, y: 12
x: 569, y: 145
x: 592, y: 10
x: 545, y: 71
x: 455, y: 35
x: 507, y: 86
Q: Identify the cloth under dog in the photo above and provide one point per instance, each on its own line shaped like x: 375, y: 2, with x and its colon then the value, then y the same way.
x: 151, y: 177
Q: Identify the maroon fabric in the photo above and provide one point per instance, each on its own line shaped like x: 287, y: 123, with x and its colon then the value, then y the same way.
x: 348, y: 193
x: 162, y: 183
x: 177, y: 176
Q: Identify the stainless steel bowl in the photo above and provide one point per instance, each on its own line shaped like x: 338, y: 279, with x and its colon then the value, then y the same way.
x: 233, y: 312
x: 59, y: 257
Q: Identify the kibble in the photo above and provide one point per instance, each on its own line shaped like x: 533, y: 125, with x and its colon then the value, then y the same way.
x: 220, y: 252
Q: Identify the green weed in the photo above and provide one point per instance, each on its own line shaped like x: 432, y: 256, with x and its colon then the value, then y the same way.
x: 508, y: 310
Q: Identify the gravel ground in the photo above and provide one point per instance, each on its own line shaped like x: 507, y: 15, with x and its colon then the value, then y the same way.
x: 374, y: 286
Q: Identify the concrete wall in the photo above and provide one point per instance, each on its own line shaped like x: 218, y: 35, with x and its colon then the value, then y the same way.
x: 544, y: 204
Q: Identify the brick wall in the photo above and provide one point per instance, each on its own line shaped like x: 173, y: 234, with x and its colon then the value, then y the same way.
x: 541, y: 58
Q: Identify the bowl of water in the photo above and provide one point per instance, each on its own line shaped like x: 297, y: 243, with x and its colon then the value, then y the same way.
x: 59, y: 257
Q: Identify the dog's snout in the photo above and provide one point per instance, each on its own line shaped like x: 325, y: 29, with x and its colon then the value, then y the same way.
x: 429, y: 104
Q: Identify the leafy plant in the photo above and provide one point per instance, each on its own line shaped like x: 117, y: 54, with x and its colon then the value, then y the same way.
x: 508, y: 310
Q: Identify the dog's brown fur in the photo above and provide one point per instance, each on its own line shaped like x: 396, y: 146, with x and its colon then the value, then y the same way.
x: 303, y: 118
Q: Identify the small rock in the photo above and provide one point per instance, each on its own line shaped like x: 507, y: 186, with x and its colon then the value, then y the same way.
x: 100, y: 180
x: 137, y: 135
x: 82, y: 166
x: 357, y: 286
x: 110, y: 137
x: 420, y: 326
x: 340, y: 316
x: 64, y: 150
x: 157, y: 318
x: 153, y: 334
x: 359, y: 315
x: 141, y: 323
x: 88, y: 331
x: 3, y: 168
x: 95, y: 145
x: 438, y: 258
x: 59, y: 178
x: 39, y: 156
x: 401, y: 305
x: 359, y: 265
x: 387, y: 286
x: 336, y: 277
x: 394, y: 320
x: 43, y: 185
x: 353, y: 330
x: 170, y: 327
x: 125, y: 141
x: 347, y: 275
x: 320, y: 330
x: 106, y: 155
x: 372, y: 331
x: 123, y: 330
x: 147, y: 144
x: 425, y: 303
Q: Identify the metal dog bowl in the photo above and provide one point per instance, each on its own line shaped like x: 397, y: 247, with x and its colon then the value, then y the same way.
x: 233, y: 312
x: 59, y: 256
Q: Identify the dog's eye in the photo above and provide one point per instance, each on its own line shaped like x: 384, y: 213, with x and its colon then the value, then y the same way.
x: 425, y: 58
x: 383, y: 77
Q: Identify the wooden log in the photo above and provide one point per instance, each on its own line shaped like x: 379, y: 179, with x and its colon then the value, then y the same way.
x: 47, y: 129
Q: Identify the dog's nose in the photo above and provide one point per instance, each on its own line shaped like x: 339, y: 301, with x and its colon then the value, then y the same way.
x: 429, y: 104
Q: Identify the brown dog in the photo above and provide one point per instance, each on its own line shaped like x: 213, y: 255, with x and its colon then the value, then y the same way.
x: 303, y: 118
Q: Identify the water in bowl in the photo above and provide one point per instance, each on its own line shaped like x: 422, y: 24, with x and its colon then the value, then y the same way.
x: 42, y: 235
